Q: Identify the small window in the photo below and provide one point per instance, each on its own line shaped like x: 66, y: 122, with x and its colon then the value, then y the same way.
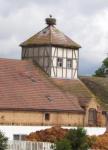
x: 47, y: 116
x: 19, y: 137
x: 69, y: 63
x: 59, y: 62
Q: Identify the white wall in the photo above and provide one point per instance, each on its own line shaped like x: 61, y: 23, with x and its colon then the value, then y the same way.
x: 9, y: 131
x: 57, y: 72
x: 63, y: 72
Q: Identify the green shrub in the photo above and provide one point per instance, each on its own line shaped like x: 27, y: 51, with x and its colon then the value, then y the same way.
x: 78, y: 139
x: 62, y: 145
x: 3, y: 141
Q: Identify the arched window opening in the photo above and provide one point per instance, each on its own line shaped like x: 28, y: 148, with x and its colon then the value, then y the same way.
x: 92, y: 117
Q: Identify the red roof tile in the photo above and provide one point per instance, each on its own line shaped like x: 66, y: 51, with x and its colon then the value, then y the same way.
x: 24, y: 86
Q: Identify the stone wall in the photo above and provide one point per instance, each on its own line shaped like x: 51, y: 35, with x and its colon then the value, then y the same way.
x: 38, y: 118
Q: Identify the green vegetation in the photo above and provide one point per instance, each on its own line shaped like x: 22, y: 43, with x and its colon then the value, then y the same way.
x: 76, y: 139
x: 3, y: 141
x: 100, y: 71
x: 62, y: 145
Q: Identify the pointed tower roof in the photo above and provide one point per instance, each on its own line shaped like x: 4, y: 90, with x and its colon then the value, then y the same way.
x: 50, y: 36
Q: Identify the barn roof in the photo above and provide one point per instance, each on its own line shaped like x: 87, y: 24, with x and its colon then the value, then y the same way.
x: 51, y: 36
x: 75, y: 88
x: 99, y: 87
x: 24, y: 86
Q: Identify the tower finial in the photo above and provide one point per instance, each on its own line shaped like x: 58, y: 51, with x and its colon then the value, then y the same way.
x: 50, y: 21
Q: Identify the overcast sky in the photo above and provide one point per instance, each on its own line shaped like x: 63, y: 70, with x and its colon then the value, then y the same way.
x: 85, y: 21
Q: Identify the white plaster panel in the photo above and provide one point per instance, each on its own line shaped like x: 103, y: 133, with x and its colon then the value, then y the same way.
x: 69, y: 53
x: 35, y: 52
x: 59, y: 72
x: 64, y: 62
x: 46, y: 61
x: 54, y: 51
x: 41, y: 61
x: 75, y: 54
x: 41, y: 50
x: 60, y: 52
x: 52, y: 72
x: 47, y: 51
x: 30, y: 52
x: 74, y: 64
x: 54, y: 61
x: 69, y: 74
x: 64, y: 53
x: 64, y: 73
x: 74, y: 74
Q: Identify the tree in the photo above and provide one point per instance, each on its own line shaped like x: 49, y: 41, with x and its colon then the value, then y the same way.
x: 78, y: 139
x: 3, y: 141
x: 100, y: 71
x: 63, y: 144
x: 105, y: 62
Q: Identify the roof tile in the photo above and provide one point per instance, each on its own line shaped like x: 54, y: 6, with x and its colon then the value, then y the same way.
x: 25, y: 88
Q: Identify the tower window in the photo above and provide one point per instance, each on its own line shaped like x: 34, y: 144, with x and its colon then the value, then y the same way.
x: 59, y: 62
x: 69, y: 63
x: 47, y: 116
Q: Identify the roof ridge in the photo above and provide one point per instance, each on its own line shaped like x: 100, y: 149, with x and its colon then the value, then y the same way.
x: 50, y: 35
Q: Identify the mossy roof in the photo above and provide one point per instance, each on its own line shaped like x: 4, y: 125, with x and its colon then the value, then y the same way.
x: 76, y: 88
x: 99, y: 87
x: 50, y: 36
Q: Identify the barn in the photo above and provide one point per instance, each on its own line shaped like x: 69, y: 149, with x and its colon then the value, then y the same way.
x: 43, y: 88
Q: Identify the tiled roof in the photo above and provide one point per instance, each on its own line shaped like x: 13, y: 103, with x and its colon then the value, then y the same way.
x: 24, y: 86
x: 75, y: 88
x: 99, y: 86
x: 51, y: 36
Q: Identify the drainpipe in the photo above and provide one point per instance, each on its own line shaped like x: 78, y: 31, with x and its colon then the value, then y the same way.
x: 107, y: 122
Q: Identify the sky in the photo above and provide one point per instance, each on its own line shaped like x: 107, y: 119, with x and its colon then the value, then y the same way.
x: 84, y: 21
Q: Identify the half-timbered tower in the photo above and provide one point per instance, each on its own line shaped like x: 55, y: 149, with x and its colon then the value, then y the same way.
x: 53, y: 51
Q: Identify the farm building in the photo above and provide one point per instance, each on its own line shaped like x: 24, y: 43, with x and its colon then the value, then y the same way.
x: 43, y: 88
